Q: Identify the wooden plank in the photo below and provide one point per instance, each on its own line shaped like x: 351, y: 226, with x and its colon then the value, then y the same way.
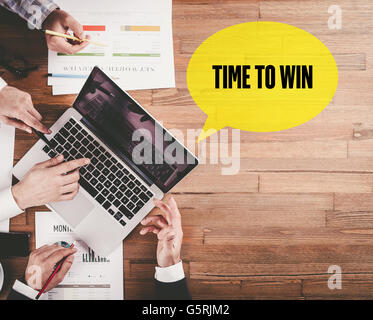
x: 359, y: 285
x: 354, y: 221
x: 21, y: 219
x: 263, y: 253
x: 261, y: 288
x: 145, y: 269
x: 202, y: 289
x: 235, y: 217
x: 255, y: 288
x: 352, y: 165
x: 283, y: 236
x: 353, y: 202
x: 208, y: 179
x: 313, y: 15
x: 316, y: 182
x: 215, y: 16
x: 350, y: 61
x: 250, y: 210
x: 246, y: 271
x: 260, y: 202
x: 298, y: 149
x: 363, y: 131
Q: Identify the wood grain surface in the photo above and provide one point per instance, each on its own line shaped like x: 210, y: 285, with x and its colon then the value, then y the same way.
x: 303, y: 198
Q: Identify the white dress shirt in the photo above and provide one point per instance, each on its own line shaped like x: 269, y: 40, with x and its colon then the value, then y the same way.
x: 2, y: 83
x: 9, y: 207
x: 170, y: 274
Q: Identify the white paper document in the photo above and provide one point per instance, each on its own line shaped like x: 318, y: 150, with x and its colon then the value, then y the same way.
x: 7, y: 134
x: 91, y: 276
x: 138, y: 52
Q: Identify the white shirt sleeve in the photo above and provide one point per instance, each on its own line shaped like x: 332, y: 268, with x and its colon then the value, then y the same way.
x: 9, y: 207
x: 170, y: 274
x: 26, y: 291
x: 2, y: 83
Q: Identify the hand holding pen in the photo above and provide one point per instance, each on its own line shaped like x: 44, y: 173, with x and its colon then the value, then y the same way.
x: 57, y: 268
x: 60, y: 22
x: 44, y: 262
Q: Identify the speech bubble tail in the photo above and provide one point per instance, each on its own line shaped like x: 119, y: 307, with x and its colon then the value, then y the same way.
x: 209, y: 129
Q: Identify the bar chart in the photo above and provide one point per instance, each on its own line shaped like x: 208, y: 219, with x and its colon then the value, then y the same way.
x: 90, y: 256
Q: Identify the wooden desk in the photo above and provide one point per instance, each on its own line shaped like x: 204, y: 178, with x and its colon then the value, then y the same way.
x: 303, y: 198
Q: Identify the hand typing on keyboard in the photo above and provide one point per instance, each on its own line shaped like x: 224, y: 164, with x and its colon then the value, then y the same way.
x: 167, y: 227
x: 112, y: 185
x: 49, y: 181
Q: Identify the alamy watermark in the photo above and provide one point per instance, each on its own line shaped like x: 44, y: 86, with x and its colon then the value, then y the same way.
x: 335, y: 20
x: 160, y: 147
x: 335, y: 280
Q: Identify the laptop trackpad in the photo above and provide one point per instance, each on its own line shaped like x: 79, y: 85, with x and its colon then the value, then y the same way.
x: 74, y: 211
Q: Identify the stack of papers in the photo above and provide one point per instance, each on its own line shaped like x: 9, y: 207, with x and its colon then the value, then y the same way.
x: 138, y: 51
x: 91, y: 277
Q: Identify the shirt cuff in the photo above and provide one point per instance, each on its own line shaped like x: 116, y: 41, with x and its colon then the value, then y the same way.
x: 170, y: 274
x: 25, y: 290
x: 9, y: 207
x: 45, y: 10
x: 3, y: 84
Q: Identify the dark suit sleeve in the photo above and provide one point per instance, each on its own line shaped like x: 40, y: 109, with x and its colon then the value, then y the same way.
x: 172, y: 290
x: 20, y: 291
x: 14, y: 295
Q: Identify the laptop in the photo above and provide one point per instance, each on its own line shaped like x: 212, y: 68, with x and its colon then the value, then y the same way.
x: 133, y: 160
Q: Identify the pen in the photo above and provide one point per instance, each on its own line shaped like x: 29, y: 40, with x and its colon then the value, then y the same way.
x: 63, y: 75
x: 68, y: 36
x: 43, y: 137
x: 73, y: 76
x: 52, y: 275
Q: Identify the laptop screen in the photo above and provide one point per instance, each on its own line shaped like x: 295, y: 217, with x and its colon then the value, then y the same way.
x: 132, y: 133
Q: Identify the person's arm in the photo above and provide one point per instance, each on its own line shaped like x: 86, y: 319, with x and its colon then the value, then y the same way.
x: 40, y: 266
x: 170, y: 281
x: 56, y: 181
x: 33, y: 11
x: 9, y: 207
x: 45, y: 14
x: 171, y: 284
x: 21, y: 291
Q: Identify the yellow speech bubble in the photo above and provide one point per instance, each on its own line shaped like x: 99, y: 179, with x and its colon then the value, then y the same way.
x: 261, y: 77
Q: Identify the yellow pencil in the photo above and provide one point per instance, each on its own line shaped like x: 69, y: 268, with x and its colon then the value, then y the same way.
x: 68, y: 36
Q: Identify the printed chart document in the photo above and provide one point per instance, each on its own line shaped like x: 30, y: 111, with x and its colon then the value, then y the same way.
x: 138, y: 51
x: 7, y: 134
x: 91, y: 276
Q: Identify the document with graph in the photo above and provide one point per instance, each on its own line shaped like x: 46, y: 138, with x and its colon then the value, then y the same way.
x: 91, y: 276
x: 137, y: 39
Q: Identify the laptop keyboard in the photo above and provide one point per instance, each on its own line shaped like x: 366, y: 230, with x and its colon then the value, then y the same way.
x: 118, y: 191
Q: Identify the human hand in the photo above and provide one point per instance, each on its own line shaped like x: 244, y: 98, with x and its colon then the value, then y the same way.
x: 61, y: 21
x: 17, y: 110
x: 49, y: 181
x: 168, y: 229
x: 42, y: 262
